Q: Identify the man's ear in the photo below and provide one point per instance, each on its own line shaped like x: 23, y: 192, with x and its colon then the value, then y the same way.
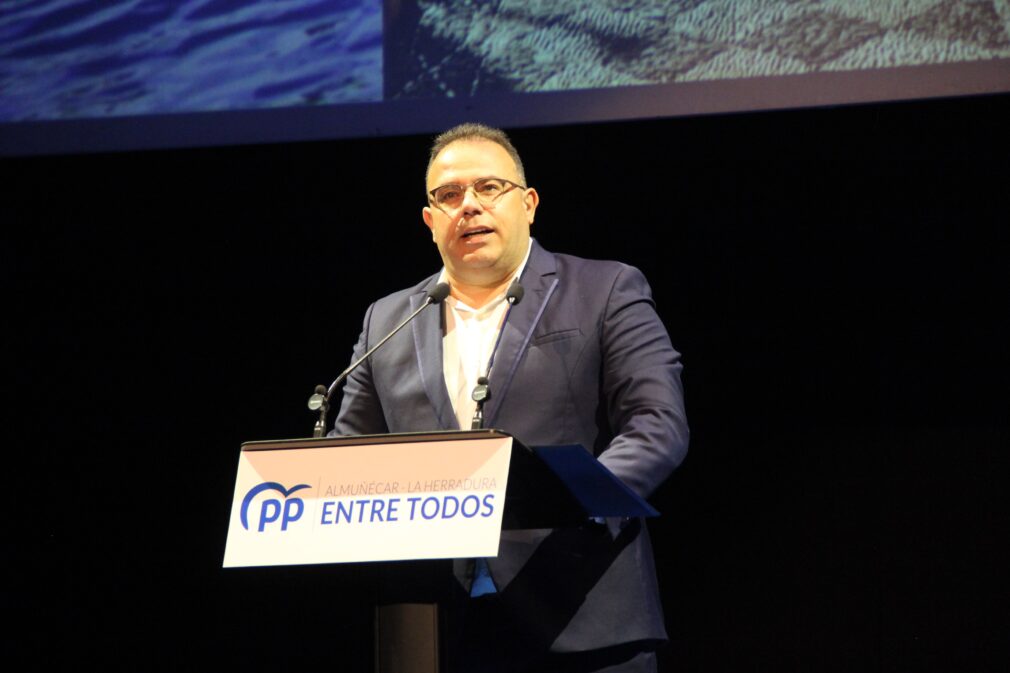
x: 531, y: 200
x: 429, y: 219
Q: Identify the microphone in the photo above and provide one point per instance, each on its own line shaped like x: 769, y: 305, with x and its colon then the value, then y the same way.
x: 481, y: 392
x: 515, y: 293
x: 321, y: 399
x: 438, y: 293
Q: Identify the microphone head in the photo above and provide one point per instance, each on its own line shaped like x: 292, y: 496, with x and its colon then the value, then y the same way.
x: 318, y: 400
x: 438, y: 293
x: 481, y: 393
x: 515, y: 293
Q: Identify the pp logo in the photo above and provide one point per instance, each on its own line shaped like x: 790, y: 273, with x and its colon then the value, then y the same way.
x: 272, y: 509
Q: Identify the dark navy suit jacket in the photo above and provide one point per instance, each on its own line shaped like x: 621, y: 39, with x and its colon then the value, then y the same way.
x: 583, y: 359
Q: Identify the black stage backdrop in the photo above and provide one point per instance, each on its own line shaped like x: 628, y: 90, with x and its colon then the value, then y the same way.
x: 835, y: 278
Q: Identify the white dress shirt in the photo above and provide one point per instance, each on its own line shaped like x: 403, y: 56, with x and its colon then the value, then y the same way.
x: 469, y: 341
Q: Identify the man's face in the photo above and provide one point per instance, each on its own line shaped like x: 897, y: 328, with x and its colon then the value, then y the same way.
x: 480, y: 244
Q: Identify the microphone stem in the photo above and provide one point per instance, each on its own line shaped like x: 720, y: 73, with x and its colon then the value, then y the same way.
x: 343, y: 375
x: 435, y: 296
x: 320, y: 428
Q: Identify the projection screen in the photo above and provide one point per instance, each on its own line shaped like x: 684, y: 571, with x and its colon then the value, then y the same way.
x: 98, y: 75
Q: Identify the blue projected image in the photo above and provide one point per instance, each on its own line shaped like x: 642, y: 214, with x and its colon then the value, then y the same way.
x: 451, y: 48
x: 99, y: 75
x: 72, y: 59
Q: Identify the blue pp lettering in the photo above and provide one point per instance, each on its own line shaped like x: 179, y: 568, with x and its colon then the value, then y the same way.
x: 289, y: 516
x: 269, y: 511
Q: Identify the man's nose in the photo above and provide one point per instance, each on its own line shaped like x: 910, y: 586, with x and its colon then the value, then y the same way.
x: 471, y: 204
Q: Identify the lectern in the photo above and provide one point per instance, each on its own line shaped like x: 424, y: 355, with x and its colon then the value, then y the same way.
x: 418, y: 497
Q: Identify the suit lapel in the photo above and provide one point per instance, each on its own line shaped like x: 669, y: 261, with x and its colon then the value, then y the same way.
x: 427, y: 329
x: 539, y: 281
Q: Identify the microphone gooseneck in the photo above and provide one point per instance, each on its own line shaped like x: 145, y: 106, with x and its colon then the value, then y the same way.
x: 482, y: 392
x: 321, y: 399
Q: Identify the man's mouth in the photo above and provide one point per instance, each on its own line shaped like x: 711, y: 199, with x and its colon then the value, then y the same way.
x: 477, y: 232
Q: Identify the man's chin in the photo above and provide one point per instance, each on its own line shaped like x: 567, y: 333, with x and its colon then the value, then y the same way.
x: 477, y: 270
x: 477, y: 260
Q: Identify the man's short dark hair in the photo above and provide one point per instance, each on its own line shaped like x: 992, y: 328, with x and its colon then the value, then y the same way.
x: 471, y: 131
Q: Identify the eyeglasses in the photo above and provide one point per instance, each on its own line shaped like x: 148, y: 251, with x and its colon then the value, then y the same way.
x: 487, y: 191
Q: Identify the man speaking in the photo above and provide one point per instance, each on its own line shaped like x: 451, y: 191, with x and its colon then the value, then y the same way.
x: 581, y: 358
